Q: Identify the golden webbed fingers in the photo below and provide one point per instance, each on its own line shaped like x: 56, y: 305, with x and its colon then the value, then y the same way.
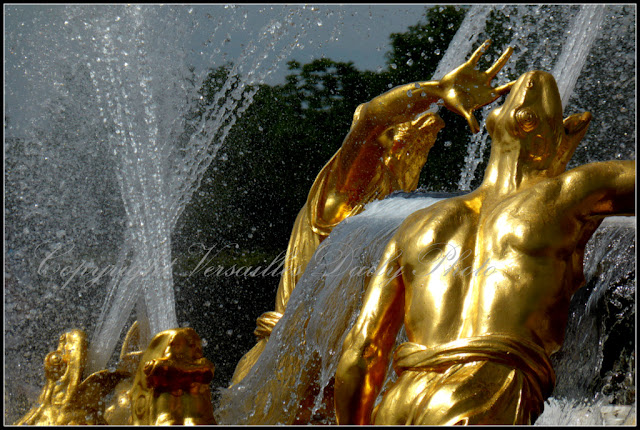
x: 478, y: 53
x: 499, y: 64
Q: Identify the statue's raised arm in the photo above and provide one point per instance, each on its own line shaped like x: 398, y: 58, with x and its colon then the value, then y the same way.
x: 493, y: 321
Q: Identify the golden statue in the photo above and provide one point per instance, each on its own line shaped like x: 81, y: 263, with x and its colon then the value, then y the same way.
x: 171, y: 385
x: 485, y: 279
x: 384, y: 151
x: 66, y: 398
x: 168, y: 383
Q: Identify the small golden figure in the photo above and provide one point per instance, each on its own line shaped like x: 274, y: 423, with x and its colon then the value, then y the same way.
x: 171, y: 385
x: 66, y: 398
x: 384, y: 151
x: 485, y: 279
x: 168, y: 383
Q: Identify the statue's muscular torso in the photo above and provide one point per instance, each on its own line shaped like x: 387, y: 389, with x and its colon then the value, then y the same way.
x: 435, y: 244
x: 475, y: 265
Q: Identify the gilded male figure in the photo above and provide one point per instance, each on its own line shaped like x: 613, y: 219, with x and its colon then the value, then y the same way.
x: 480, y: 340
x: 384, y: 151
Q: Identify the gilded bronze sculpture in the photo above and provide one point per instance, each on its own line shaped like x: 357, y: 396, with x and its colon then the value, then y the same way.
x: 384, y: 151
x: 171, y: 385
x: 167, y: 383
x: 481, y: 331
x: 67, y: 398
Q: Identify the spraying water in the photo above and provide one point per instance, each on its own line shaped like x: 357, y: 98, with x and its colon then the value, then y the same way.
x: 130, y: 66
x: 125, y: 80
x: 463, y: 41
x: 584, y: 30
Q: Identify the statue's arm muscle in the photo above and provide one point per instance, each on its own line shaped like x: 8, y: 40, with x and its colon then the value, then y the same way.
x: 365, y: 352
x: 601, y: 189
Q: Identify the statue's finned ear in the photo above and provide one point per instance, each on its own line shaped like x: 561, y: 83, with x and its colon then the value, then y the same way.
x: 575, y: 126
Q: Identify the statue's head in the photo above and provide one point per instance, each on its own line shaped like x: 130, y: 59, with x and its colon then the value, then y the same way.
x: 530, y: 121
x: 64, y: 366
x: 407, y: 146
x: 171, y: 385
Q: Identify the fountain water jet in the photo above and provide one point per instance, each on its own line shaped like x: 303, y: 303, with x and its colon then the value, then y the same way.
x: 130, y: 66
x: 132, y: 101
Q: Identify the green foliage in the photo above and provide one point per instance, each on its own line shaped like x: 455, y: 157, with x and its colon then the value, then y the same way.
x: 273, y: 153
x: 416, y: 53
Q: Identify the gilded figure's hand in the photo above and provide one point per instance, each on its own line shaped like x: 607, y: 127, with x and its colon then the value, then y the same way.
x: 465, y: 89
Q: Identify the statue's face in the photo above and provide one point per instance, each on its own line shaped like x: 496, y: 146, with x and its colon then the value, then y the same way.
x: 407, y: 147
x: 530, y: 118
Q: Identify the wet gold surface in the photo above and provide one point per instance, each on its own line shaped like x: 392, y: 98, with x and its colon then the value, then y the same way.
x: 171, y: 385
x: 66, y: 398
x: 168, y: 383
x: 484, y: 283
x: 485, y: 279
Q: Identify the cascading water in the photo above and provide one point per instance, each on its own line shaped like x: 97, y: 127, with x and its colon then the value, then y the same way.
x: 596, y: 365
x: 311, y: 332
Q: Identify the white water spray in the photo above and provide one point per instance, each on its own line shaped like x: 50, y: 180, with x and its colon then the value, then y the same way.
x: 568, y: 65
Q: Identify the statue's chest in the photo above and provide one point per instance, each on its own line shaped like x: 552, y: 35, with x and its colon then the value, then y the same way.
x: 526, y: 224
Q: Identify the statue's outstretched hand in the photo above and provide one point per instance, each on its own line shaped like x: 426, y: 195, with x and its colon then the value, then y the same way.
x: 465, y: 89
